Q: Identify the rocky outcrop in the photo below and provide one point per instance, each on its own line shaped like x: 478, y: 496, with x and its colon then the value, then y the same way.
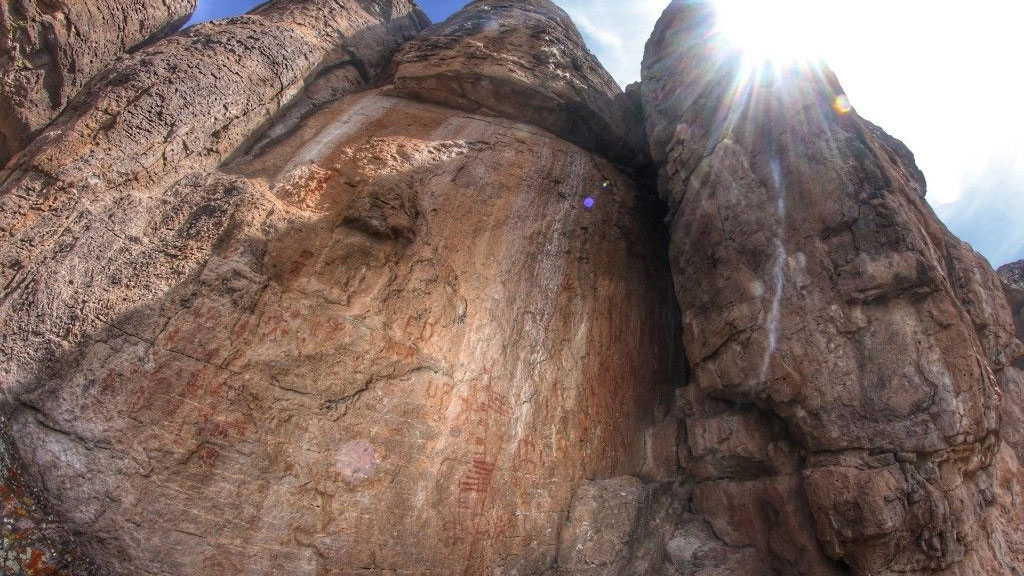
x: 527, y: 62
x: 78, y: 193
x: 844, y: 345
x: 1010, y: 490
x: 179, y: 107
x: 1012, y: 276
x: 305, y: 291
x: 50, y: 49
x: 262, y: 311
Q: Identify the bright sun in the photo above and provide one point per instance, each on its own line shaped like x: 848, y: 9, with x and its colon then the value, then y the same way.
x: 939, y: 75
x: 780, y: 31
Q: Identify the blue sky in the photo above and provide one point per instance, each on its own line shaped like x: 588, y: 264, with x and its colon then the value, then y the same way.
x: 212, y: 9
x: 942, y: 79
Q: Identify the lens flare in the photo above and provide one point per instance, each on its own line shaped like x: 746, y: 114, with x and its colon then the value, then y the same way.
x: 589, y: 202
x: 842, y: 105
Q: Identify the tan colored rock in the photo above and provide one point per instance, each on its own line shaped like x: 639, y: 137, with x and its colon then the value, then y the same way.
x: 50, y: 49
x: 748, y: 488
x: 386, y: 338
x: 330, y: 365
x: 180, y: 107
x: 524, y: 61
x: 271, y: 303
x: 1010, y: 496
x: 178, y: 101
x: 32, y: 542
x: 1011, y: 383
x: 819, y: 291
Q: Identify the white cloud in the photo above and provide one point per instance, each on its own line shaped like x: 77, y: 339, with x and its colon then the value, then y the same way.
x: 616, y: 31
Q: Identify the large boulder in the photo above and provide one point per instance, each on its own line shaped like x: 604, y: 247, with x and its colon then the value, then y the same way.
x: 298, y: 326
x: 844, y: 345
x: 50, y: 49
x: 180, y: 107
x: 527, y: 62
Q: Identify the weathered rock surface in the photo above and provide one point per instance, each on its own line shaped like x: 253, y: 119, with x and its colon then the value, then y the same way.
x: 49, y: 50
x: 695, y: 550
x: 1012, y: 276
x: 177, y: 102
x: 524, y: 61
x: 32, y: 542
x: 279, y: 331
x: 282, y: 295
x: 177, y: 108
x: 844, y: 345
x: 620, y: 526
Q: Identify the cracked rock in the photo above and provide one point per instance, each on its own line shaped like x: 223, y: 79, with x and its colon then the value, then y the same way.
x: 49, y: 51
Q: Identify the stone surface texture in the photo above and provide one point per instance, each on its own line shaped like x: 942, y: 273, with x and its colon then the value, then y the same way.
x: 1012, y: 276
x: 321, y: 290
x: 845, y: 347
x: 620, y: 526
x: 50, y: 49
x: 272, y: 320
x: 525, y: 61
x: 173, y: 110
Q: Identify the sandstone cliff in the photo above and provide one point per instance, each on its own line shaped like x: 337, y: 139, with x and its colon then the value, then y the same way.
x: 325, y: 290
x: 50, y: 49
x: 276, y: 322
x: 844, y: 345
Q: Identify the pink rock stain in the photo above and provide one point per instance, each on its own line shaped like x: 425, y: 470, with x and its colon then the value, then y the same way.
x: 356, y: 461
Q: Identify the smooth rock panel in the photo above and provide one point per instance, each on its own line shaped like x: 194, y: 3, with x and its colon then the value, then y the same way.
x: 406, y: 345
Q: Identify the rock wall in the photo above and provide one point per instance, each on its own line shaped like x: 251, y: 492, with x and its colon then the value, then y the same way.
x: 1012, y: 276
x: 318, y: 290
x: 50, y: 49
x: 260, y: 313
x: 73, y: 199
x: 510, y: 59
x: 1011, y: 473
x: 180, y: 107
x: 844, y: 412
x: 856, y: 337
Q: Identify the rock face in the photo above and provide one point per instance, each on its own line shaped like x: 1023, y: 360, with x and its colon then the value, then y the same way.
x: 844, y: 345
x: 619, y: 526
x: 262, y: 313
x: 1010, y: 490
x: 510, y: 59
x: 318, y: 290
x: 49, y: 50
x: 175, y: 109
x: 1012, y: 276
x: 32, y: 543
